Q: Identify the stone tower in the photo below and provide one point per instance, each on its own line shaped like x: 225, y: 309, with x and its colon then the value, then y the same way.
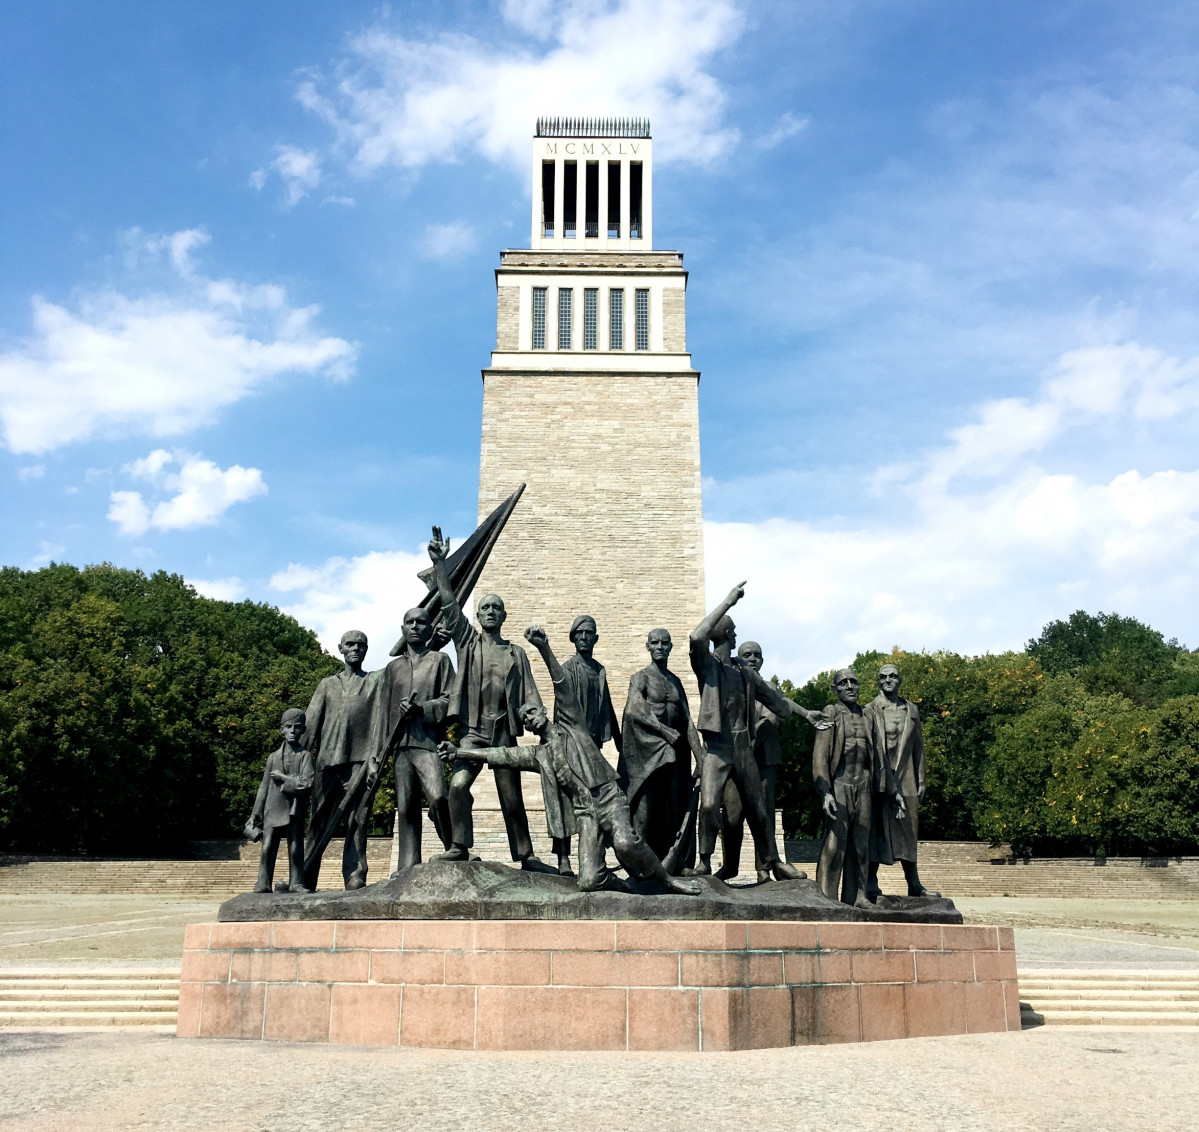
x: 591, y: 399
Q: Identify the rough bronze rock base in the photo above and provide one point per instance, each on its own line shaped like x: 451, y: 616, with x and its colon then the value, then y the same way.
x: 594, y: 984
x: 485, y: 890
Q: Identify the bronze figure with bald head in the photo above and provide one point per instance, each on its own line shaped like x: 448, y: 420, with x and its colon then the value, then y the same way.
x: 343, y: 732
x: 655, y: 760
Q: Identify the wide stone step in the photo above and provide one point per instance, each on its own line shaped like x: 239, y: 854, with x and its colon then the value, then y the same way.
x: 86, y: 994
x: 55, y: 1018
x: 1073, y: 997
x: 1104, y: 1017
x: 1113, y: 1002
x: 101, y: 1005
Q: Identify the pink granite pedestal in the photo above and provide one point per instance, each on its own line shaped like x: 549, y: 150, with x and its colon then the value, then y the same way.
x: 594, y: 985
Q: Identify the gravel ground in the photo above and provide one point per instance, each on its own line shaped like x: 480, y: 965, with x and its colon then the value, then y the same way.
x: 1040, y: 1079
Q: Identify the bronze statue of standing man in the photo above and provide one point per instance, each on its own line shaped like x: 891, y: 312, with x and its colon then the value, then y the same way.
x: 728, y: 692
x: 768, y: 754
x: 494, y: 681
x: 588, y: 680
x: 655, y: 758
x: 342, y: 733
x: 849, y: 770
x: 895, y: 835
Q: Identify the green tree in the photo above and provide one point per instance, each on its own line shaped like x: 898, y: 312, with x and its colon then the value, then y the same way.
x: 1114, y: 654
x: 134, y: 714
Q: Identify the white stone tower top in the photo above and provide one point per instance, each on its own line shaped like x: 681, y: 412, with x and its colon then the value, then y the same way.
x: 591, y: 400
x: 592, y: 185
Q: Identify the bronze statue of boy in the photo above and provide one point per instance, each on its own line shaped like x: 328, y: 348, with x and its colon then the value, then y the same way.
x: 281, y: 806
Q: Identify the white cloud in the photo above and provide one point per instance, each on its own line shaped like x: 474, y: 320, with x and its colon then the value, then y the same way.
x: 447, y: 241
x: 129, y: 511
x: 1128, y: 381
x: 220, y: 589
x: 47, y: 552
x: 157, y: 363
x: 409, y: 101
x: 973, y: 546
x: 786, y: 126
x: 199, y: 493
x: 370, y: 592
x: 300, y: 170
x: 31, y: 472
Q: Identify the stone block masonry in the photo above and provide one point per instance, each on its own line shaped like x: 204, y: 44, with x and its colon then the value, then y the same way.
x: 611, y: 520
x: 594, y: 984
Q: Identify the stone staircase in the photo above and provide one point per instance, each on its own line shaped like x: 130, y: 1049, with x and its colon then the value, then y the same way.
x: 42, y: 997
x: 1109, y: 998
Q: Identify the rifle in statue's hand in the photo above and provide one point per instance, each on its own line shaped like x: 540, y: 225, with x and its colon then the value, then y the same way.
x: 364, y: 779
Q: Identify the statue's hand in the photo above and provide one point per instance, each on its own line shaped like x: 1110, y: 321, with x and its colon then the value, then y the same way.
x: 817, y: 719
x: 900, y: 809
x: 535, y: 635
x: 441, y: 637
x: 736, y: 593
x: 920, y: 794
x: 446, y: 751
x: 438, y: 547
x: 277, y: 776
x: 830, y: 806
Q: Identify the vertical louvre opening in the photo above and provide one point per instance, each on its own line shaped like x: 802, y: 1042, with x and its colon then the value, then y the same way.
x: 547, y: 198
x: 591, y: 200
x: 570, y: 198
x: 538, y: 318
x: 613, y: 200
x: 635, y: 200
x: 616, y: 319
x: 565, y: 294
x: 642, y: 319
x: 590, y: 318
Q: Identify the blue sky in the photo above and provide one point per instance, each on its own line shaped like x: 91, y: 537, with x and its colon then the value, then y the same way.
x: 944, y: 277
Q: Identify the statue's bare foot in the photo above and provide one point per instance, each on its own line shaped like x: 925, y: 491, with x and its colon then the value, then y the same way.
x: 454, y: 853
x: 726, y: 872
x: 783, y: 871
x: 683, y: 887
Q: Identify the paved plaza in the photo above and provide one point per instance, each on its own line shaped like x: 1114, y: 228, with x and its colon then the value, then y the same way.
x: 1038, y: 1079
x: 1065, y: 1078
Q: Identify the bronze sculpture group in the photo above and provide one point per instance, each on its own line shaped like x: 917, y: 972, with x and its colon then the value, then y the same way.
x: 681, y: 782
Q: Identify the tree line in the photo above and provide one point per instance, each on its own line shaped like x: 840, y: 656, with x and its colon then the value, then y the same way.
x: 135, y: 716
x: 1084, y: 743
